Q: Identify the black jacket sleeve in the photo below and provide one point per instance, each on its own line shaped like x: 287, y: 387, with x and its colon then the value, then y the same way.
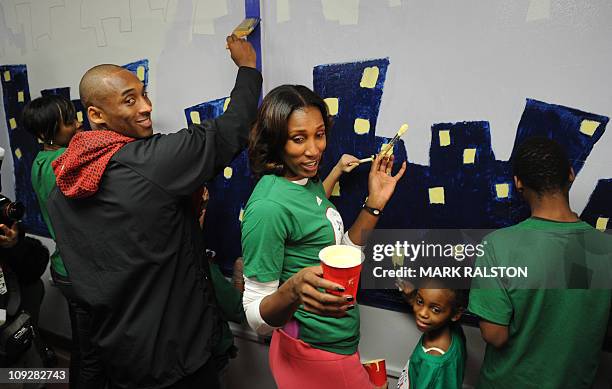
x: 181, y: 162
x: 28, y: 259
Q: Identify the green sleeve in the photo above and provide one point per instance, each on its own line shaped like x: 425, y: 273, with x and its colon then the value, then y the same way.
x: 227, y: 297
x: 488, y: 297
x: 265, y: 229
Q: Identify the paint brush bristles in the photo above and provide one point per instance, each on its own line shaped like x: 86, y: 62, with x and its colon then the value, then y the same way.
x: 246, y: 27
x: 389, y: 146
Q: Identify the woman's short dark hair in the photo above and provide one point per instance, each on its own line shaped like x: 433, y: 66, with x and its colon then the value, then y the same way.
x: 270, y: 132
x: 43, y: 115
x: 542, y: 165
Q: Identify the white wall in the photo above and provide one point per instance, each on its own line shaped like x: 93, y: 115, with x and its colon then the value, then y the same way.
x: 450, y: 61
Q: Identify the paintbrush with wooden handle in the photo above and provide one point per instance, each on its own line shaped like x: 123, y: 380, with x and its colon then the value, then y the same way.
x: 388, y: 146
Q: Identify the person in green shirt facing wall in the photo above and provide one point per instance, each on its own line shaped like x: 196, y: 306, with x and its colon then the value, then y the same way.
x: 52, y: 120
x: 547, y: 331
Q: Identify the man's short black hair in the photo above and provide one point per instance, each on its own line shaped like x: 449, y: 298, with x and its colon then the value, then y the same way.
x: 42, y: 116
x: 542, y: 165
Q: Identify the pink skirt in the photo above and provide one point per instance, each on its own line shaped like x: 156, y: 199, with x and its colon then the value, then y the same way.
x: 297, y: 365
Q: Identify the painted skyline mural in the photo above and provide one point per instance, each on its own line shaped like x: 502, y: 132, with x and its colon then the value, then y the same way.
x: 464, y: 185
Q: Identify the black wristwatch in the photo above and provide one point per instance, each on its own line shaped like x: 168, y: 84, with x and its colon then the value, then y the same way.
x: 372, y: 211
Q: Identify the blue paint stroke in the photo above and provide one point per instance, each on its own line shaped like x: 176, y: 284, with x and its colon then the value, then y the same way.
x: 599, y: 205
x: 21, y: 140
x: 563, y: 125
x: 133, y: 67
x: 208, y: 110
x: 252, y: 10
x: 63, y: 91
x: 342, y: 81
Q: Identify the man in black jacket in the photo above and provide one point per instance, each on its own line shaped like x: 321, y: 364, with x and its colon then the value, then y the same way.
x: 126, y: 227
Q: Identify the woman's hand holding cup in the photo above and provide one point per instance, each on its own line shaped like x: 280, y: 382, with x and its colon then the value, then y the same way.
x: 306, y: 286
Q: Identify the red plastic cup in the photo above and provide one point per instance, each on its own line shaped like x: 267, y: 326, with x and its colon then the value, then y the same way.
x: 377, y: 371
x: 342, y: 264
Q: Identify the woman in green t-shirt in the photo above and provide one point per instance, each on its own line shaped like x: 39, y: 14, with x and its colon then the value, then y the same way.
x: 53, y: 121
x: 287, y: 221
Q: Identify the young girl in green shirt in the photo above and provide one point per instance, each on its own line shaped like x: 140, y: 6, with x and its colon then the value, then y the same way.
x: 438, y: 360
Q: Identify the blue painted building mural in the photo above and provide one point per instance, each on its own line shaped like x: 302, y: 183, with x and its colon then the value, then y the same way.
x: 597, y: 211
x: 16, y: 94
x: 464, y: 184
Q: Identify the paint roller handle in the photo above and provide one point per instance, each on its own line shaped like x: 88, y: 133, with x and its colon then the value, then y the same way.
x: 241, y: 51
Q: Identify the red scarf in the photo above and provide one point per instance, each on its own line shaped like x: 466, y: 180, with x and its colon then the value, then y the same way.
x: 79, y: 170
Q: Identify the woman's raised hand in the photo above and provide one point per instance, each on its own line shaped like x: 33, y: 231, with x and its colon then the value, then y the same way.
x: 381, y: 184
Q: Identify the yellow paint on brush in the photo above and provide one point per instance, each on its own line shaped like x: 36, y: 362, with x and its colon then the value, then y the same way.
x: 246, y: 27
x: 13, y: 123
x: 369, y: 77
x: 195, y: 117
x: 361, y: 126
x: 469, y: 156
x: 588, y: 127
x: 444, y: 136
x: 226, y: 103
x: 140, y: 73
x: 389, y: 146
x: 336, y: 190
x: 397, y: 260
x: 436, y: 195
x: 502, y: 190
x: 385, y: 151
x: 227, y: 172
x: 402, y: 130
x: 332, y: 105
x: 80, y: 116
x: 20, y: 97
x: 7, y: 76
x: 18, y: 153
x: 602, y: 223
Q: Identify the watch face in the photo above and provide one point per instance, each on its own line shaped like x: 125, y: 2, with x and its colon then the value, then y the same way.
x: 373, y: 211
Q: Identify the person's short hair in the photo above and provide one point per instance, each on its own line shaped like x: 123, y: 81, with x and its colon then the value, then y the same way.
x: 542, y: 165
x: 461, y: 296
x: 42, y: 116
x: 92, y: 87
x: 270, y: 132
x: 461, y: 300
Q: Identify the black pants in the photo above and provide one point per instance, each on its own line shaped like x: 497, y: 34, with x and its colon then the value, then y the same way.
x: 86, y: 370
x: 205, y: 377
